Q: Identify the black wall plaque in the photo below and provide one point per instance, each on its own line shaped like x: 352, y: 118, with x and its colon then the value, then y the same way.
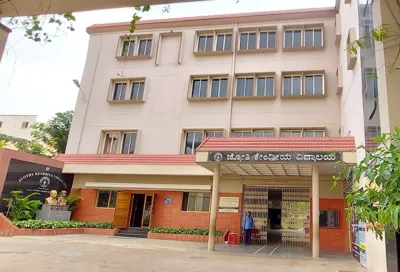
x: 274, y: 156
x: 34, y: 178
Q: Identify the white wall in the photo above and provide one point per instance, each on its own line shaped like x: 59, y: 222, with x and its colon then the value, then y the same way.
x: 11, y: 125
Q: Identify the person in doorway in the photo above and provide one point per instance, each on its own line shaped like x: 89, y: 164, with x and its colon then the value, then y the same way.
x: 248, y: 225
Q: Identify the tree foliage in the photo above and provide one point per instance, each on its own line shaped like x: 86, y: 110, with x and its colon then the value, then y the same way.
x: 22, y: 207
x: 375, y: 197
x: 32, y: 147
x: 54, y: 132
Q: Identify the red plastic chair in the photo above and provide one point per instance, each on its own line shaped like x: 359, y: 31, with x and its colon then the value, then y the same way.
x: 232, y: 238
x: 256, y: 234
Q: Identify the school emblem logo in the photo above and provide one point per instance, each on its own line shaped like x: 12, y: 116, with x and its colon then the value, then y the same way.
x: 44, y: 182
x: 218, y: 157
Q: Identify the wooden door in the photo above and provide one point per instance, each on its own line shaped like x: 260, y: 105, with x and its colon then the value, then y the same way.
x: 122, y: 209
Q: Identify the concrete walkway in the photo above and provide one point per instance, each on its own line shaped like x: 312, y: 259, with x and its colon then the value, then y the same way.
x: 100, y: 253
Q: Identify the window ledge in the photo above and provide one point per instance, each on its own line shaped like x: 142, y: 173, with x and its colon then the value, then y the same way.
x: 126, y: 101
x: 303, y: 96
x: 303, y: 48
x: 253, y: 97
x: 260, y: 50
x: 134, y: 57
x: 198, y: 99
x: 213, y: 53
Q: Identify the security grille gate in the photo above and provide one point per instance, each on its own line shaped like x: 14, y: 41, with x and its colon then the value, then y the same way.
x: 295, y: 212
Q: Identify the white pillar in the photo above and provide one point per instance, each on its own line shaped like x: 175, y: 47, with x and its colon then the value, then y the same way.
x: 214, y: 208
x: 315, y: 211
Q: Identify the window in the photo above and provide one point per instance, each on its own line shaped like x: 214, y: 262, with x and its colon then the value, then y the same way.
x: 129, y: 90
x: 194, y: 138
x: 313, y: 37
x: 373, y: 131
x: 144, y: 47
x: 137, y: 90
x: 224, y: 42
x: 248, y: 40
x: 314, y: 133
x: 196, y: 202
x: 119, y: 91
x: 136, y: 46
x: 267, y: 39
x: 128, y: 48
x: 253, y: 133
x: 205, y: 43
x: 119, y: 142
x: 25, y: 125
x: 292, y: 85
x: 371, y: 84
x: 265, y: 86
x: 128, y: 144
x: 1, y: 124
x: 313, y: 84
x: 292, y: 38
x: 329, y: 219
x: 106, y: 199
x: 219, y: 87
x: 199, y: 88
x: 291, y: 133
x: 244, y: 86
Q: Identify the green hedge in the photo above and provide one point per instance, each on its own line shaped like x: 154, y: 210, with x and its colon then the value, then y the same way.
x: 39, y: 224
x: 184, y: 231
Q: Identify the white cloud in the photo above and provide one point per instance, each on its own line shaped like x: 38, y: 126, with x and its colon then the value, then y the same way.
x: 37, y: 79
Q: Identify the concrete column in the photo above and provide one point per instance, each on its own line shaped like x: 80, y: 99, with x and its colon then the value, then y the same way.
x: 214, y: 208
x: 315, y: 211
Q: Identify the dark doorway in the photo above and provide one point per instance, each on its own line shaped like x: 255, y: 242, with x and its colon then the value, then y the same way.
x: 137, y: 210
x: 274, y: 234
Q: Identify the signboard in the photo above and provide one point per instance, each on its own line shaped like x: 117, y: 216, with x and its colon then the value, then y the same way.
x: 229, y: 204
x: 358, y: 247
x: 167, y: 200
x: 33, y: 178
x: 274, y: 156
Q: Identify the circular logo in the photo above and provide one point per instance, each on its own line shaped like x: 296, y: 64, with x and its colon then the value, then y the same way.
x: 218, y: 156
x: 47, y: 168
x: 44, y: 182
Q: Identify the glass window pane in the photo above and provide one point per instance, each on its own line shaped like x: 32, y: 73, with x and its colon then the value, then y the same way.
x: 215, y: 88
x: 286, y: 134
x: 309, y: 133
x: 228, y: 42
x: 309, y: 36
x: 240, y: 86
x: 119, y: 91
x: 142, y: 47
x: 111, y: 143
x: 296, y: 133
x: 223, y: 87
x: 206, y: 202
x: 296, y: 85
x: 309, y: 85
x: 199, y: 202
x: 209, y: 43
x: 148, y: 47
x: 203, y: 88
x: 249, y: 87
x: 237, y: 134
x: 218, y: 134
x: 220, y: 42
x: 102, y: 200
x: 196, y: 88
x: 261, y: 86
x: 189, y: 143
x: 288, y: 38
x: 263, y: 39
x: 198, y: 137
x: 246, y: 134
x: 185, y: 201
x: 128, y: 145
x: 243, y: 40
x: 287, y: 85
x: 192, y: 202
x: 202, y: 43
x: 113, y: 199
x: 318, y: 84
x: 252, y: 41
x: 269, y: 86
x: 271, y: 40
x: 263, y: 133
x: 319, y: 134
x: 297, y: 38
x: 317, y: 37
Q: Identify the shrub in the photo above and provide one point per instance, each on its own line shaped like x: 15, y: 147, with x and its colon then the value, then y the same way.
x: 22, y: 207
x: 39, y: 224
x: 184, y: 231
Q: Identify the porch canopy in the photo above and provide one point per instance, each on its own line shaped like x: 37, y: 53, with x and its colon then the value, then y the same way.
x: 274, y: 157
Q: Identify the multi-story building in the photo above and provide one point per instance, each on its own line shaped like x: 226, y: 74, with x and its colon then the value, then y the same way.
x: 17, y: 125
x: 192, y: 122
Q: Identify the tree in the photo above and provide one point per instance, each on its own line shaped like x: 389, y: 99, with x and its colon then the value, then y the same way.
x: 375, y: 197
x: 32, y: 147
x: 54, y: 132
x: 2, y: 143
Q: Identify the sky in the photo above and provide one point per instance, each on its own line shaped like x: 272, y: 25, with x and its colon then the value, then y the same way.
x: 37, y: 79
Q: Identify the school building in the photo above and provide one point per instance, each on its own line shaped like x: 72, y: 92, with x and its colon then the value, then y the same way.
x: 191, y: 122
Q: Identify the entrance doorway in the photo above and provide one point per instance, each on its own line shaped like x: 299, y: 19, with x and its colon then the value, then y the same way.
x: 281, y: 214
x: 141, y: 210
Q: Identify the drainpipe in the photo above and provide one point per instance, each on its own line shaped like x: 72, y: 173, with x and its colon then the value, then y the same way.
x: 90, y: 94
x: 232, y: 73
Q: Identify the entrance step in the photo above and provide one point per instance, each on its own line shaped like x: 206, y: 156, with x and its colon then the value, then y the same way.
x: 133, y: 232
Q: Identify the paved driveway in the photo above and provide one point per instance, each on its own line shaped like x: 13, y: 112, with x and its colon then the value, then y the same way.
x: 89, y: 253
